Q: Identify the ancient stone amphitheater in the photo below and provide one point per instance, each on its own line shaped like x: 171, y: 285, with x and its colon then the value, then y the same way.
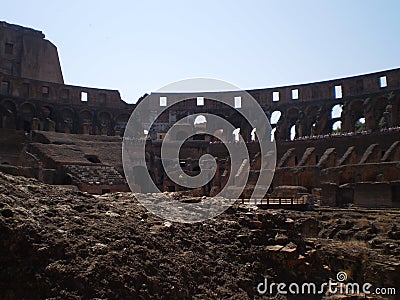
x: 70, y: 228
x: 337, y: 140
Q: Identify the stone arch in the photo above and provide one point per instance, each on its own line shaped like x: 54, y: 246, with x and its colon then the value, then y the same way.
x: 274, y: 119
x: 379, y: 107
x: 322, y: 124
x: 47, y: 117
x: 356, y: 111
x: 105, y: 115
x: 356, y: 106
x: 8, y: 114
x: 253, y: 134
x: 236, y: 134
x: 311, y: 113
x: 238, y: 122
x: 47, y: 111
x: 295, y: 123
x: 370, y: 114
x: 27, y: 113
x: 396, y: 111
x: 27, y: 108
x: 293, y: 134
x: 9, y: 104
x: 235, y: 119
x: 105, y: 122
x: 66, y: 120
x: 86, y: 116
x: 337, y: 127
x: 282, y: 130
x: 273, y: 137
x: 292, y: 115
x: 336, y: 111
x: 360, y: 124
x: 216, y: 128
x: 200, y: 121
x: 86, y: 121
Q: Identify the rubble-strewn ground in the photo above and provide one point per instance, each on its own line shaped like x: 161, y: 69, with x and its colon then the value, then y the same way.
x: 60, y: 244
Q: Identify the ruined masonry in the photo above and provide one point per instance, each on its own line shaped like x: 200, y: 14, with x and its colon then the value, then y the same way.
x: 338, y: 140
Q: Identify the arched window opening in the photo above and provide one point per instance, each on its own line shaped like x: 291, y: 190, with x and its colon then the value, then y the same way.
x: 336, y: 127
x: 273, y: 134
x: 253, y: 134
x: 336, y: 111
x: 360, y: 125
x: 200, y: 121
x: 293, y: 132
x: 236, y: 134
x: 275, y: 117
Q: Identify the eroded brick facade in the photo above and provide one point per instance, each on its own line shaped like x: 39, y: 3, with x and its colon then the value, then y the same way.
x: 71, y: 129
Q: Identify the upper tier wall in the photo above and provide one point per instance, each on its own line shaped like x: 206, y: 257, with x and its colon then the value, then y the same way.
x: 350, y: 87
x: 27, y: 89
x: 26, y: 53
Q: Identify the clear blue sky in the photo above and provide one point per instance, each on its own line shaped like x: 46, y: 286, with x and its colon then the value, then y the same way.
x: 140, y: 46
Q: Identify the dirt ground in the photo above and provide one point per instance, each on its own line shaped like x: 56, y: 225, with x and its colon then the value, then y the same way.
x: 57, y: 243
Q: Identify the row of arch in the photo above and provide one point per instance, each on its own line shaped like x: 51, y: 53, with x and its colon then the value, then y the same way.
x: 28, y: 116
x: 352, y: 116
x: 357, y: 115
x: 290, y: 123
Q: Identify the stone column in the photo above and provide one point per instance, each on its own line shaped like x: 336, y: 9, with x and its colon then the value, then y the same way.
x: 116, y: 131
x: 51, y: 125
x: 369, y: 114
x: 85, y: 128
x: 35, y: 124
x: 347, y: 122
x: 103, y: 130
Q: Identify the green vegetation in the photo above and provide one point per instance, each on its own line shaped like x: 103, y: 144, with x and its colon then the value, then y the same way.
x: 359, y: 126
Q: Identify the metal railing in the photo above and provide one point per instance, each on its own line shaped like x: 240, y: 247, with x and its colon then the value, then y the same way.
x: 281, y: 201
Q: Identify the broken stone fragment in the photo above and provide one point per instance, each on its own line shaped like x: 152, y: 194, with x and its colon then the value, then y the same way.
x: 289, y: 221
x: 288, y: 250
x: 167, y: 224
x: 274, y: 248
x: 281, y: 238
x: 112, y: 214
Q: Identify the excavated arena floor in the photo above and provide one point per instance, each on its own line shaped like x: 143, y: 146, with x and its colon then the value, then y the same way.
x: 56, y: 243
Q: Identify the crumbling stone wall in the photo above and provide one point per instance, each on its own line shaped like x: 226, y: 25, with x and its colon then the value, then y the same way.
x: 27, y: 54
x: 311, y: 151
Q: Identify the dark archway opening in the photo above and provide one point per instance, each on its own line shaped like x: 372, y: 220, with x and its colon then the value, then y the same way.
x: 27, y: 126
x: 93, y: 159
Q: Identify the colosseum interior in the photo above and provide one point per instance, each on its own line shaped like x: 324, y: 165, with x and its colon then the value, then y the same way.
x: 337, y: 140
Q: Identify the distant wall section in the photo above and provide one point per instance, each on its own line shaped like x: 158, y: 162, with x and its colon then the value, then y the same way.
x: 26, y: 53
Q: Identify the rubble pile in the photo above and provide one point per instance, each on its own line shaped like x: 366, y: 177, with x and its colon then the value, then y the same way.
x: 62, y: 244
